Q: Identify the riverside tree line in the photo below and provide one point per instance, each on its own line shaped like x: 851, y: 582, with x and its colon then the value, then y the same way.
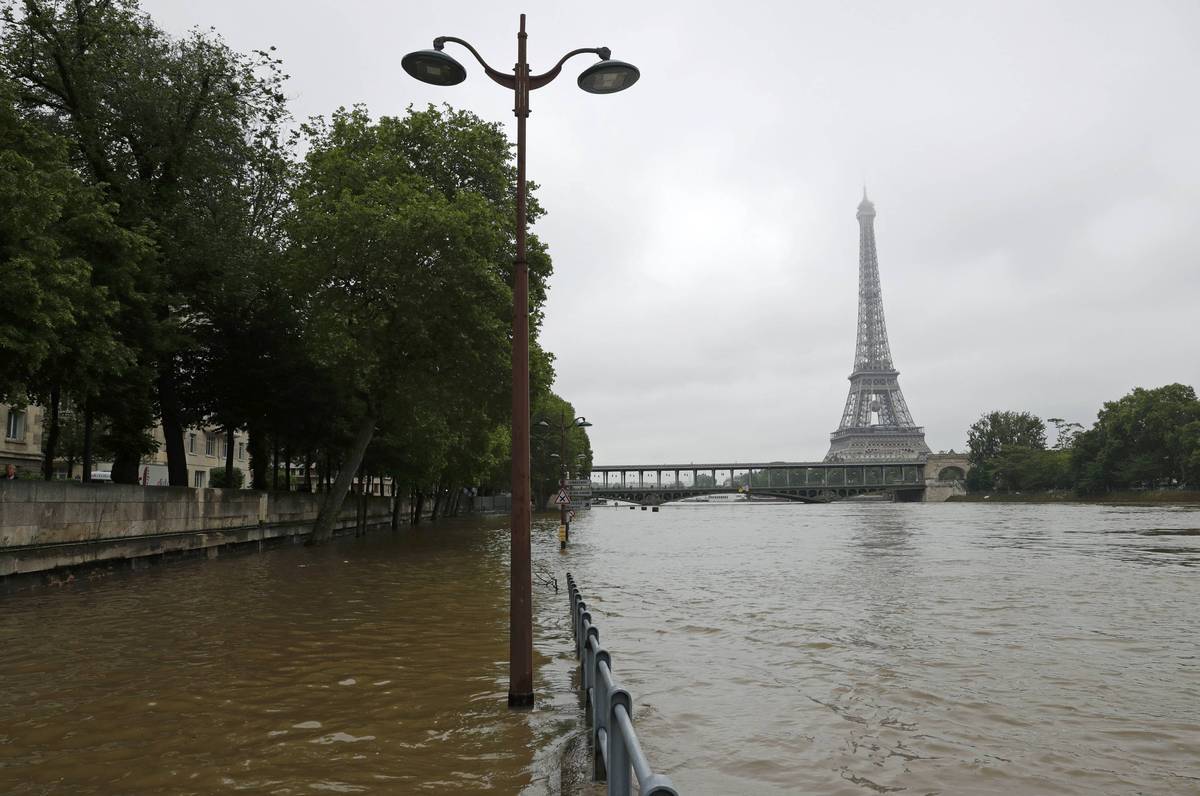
x: 167, y: 256
x: 1149, y: 439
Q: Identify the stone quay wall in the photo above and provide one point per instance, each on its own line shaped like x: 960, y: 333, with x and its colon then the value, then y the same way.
x: 55, y: 525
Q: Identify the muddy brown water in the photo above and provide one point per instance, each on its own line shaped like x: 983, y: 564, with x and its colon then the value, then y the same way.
x: 841, y: 649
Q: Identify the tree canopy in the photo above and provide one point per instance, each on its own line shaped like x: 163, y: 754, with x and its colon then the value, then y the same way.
x: 169, y: 258
x: 1150, y: 438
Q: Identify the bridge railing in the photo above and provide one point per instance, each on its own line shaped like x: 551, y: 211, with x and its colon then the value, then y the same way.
x: 616, y: 752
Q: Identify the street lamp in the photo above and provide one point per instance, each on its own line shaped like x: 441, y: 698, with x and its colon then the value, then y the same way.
x: 565, y: 473
x: 605, y: 77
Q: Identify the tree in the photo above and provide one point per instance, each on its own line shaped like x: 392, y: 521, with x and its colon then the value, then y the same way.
x: 401, y: 244
x: 1065, y: 433
x: 168, y: 129
x: 219, y: 480
x: 1148, y: 438
x: 993, y: 431
x: 70, y: 299
x: 557, y: 446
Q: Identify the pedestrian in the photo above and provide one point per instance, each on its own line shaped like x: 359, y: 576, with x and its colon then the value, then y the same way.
x: 10, y: 472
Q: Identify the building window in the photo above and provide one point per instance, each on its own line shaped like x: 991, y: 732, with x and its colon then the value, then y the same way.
x: 16, y: 425
x: 210, y: 445
x: 191, y: 443
x: 241, y: 451
x: 199, y: 479
x: 224, y: 447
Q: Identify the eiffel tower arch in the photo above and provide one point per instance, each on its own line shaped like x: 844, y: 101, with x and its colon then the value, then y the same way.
x: 876, y: 424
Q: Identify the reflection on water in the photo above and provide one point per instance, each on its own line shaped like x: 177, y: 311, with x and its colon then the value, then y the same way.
x: 839, y: 649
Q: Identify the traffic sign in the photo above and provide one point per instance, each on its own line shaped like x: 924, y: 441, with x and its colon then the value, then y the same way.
x: 563, y: 498
x: 570, y: 515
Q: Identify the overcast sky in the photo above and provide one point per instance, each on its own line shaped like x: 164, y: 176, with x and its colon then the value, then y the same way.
x: 1035, y: 168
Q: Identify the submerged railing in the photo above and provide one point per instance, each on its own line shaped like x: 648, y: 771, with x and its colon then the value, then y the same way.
x: 615, y: 748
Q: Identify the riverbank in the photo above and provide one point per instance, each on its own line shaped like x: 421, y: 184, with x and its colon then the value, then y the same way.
x: 1149, y: 497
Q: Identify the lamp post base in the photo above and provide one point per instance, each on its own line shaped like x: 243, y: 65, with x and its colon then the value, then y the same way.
x: 520, y: 700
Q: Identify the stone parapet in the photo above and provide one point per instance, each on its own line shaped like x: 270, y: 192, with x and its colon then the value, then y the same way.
x: 46, y: 525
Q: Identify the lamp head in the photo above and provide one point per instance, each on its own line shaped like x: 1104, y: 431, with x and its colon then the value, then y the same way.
x: 434, y: 66
x: 608, y: 77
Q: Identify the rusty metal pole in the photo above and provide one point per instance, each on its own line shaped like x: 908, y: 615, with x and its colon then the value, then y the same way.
x: 520, y: 653
x: 562, y: 465
x: 607, y: 76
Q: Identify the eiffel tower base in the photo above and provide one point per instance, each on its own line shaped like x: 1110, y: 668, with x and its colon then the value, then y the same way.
x: 877, y: 445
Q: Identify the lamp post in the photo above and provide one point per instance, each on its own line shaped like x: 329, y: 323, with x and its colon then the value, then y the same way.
x: 565, y: 473
x: 603, y: 77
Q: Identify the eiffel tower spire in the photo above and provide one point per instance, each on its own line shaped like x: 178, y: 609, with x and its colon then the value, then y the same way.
x: 876, y: 424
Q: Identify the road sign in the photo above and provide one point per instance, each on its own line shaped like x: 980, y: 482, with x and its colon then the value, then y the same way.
x: 570, y: 515
x: 563, y: 498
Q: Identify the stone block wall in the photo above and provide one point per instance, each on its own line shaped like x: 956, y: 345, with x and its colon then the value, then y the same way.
x: 50, y: 524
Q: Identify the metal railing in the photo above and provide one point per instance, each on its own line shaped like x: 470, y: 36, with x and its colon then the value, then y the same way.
x: 616, y: 751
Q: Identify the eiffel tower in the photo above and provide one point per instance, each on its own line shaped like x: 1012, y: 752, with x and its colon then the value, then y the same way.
x: 876, y: 424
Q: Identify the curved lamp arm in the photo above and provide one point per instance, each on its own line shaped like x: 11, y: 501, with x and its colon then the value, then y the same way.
x: 537, y: 81
x: 508, y: 81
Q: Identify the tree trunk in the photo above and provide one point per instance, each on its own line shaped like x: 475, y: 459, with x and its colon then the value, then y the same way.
x: 172, y: 426
x: 332, y: 506
x: 229, y: 442
x: 275, y: 464
x: 420, y: 506
x: 395, y: 506
x: 70, y: 468
x: 125, y: 468
x: 437, y: 501
x: 358, y: 506
x: 88, y: 421
x: 287, y: 469
x: 51, y: 435
x: 258, y: 458
x: 308, y: 471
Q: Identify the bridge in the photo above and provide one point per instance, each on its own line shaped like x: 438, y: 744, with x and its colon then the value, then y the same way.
x: 805, y: 482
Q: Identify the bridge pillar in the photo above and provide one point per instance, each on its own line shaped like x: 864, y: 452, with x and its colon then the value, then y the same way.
x: 658, y: 478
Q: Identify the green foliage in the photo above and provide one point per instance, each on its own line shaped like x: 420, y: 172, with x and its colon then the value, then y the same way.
x: 994, y: 431
x: 165, y: 256
x: 218, y: 479
x: 1018, y: 469
x: 399, y: 263
x: 558, y: 445
x: 61, y: 263
x: 177, y: 134
x: 1149, y: 438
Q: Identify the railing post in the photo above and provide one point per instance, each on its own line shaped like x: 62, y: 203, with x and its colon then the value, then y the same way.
x: 585, y: 618
x: 620, y: 779
x: 600, y: 697
x: 589, y: 663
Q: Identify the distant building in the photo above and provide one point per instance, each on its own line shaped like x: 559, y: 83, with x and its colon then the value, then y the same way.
x: 204, y: 449
x: 21, y: 445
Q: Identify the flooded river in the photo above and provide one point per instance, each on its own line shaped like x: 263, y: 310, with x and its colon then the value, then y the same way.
x: 840, y: 649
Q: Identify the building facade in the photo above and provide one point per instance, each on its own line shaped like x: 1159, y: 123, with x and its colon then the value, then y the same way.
x: 205, y: 451
x: 21, y: 445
